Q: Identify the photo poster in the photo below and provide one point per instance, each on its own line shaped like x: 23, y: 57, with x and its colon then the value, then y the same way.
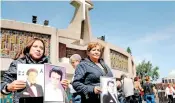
x: 108, y: 86
x: 33, y: 75
x: 53, y: 88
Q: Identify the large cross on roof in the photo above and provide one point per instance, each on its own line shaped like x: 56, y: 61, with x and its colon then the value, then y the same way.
x: 85, y: 3
x: 79, y: 28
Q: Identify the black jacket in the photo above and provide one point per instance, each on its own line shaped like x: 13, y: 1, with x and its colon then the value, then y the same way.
x: 87, y: 76
x: 11, y: 75
x: 31, y: 94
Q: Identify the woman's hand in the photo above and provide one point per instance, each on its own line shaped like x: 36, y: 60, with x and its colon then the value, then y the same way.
x: 16, y: 85
x: 97, y: 90
x: 65, y: 83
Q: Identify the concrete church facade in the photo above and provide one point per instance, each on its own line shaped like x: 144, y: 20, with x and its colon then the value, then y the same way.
x: 62, y: 43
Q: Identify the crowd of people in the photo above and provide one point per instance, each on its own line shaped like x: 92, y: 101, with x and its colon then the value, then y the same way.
x: 85, y: 84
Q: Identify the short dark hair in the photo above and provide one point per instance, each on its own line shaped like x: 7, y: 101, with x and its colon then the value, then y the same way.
x: 31, y: 70
x: 58, y: 71
x: 123, y: 76
x: 147, y: 78
x: 110, y: 82
x: 136, y: 78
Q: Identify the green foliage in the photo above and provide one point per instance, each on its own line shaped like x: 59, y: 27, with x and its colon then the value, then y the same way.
x: 129, y: 50
x: 146, y: 68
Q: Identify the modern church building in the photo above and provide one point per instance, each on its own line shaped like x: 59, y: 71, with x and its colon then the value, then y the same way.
x: 62, y: 43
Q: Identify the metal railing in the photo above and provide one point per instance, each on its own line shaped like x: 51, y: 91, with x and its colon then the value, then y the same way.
x: 162, y: 97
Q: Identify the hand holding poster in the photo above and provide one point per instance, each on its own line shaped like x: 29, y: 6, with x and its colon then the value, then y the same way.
x: 33, y: 75
x: 109, y: 90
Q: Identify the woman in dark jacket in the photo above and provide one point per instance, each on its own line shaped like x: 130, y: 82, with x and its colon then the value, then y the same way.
x: 87, y: 74
x: 33, y: 53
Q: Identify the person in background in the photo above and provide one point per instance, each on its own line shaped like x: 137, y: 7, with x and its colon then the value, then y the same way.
x: 141, y: 92
x: 87, y: 74
x: 120, y: 94
x: 127, y: 88
x: 174, y: 93
x: 174, y: 86
x: 32, y: 53
x: 155, y: 91
x: 75, y: 60
x: 138, y: 89
x: 148, y: 90
x: 169, y: 91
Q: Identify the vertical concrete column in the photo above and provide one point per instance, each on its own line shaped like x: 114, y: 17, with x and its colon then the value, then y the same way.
x: 54, y: 48
x: 134, y: 68
x: 106, y: 53
x: 129, y: 66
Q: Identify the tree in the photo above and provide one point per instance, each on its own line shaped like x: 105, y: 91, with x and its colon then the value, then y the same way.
x: 129, y: 50
x: 146, y: 68
x: 155, y: 73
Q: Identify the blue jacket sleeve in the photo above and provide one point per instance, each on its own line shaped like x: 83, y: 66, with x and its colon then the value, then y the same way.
x: 79, y: 78
x: 8, y: 77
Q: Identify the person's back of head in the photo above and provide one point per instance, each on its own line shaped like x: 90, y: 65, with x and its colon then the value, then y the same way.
x: 128, y: 86
x: 136, y: 79
x: 75, y: 57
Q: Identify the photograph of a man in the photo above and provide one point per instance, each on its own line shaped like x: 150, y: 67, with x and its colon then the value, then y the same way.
x: 32, y: 88
x: 52, y: 89
x: 110, y: 96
